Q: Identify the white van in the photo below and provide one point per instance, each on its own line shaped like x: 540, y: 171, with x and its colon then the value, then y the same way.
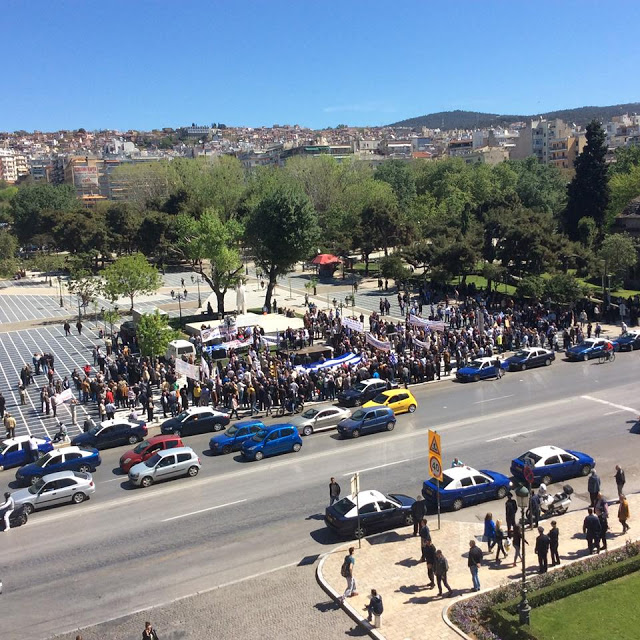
x: 178, y: 348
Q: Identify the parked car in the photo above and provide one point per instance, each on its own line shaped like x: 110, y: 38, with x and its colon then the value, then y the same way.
x: 377, y: 512
x: 552, y: 464
x: 147, y: 448
x: 112, y: 433
x: 164, y: 465
x: 462, y: 486
x: 319, y: 418
x: 361, y: 392
x: 529, y: 358
x: 232, y: 438
x: 398, y: 400
x: 15, y: 452
x: 63, y: 459
x: 367, y: 420
x: 629, y: 341
x: 587, y: 349
x: 478, y: 369
x: 55, y: 488
x: 196, y: 420
x: 280, y: 438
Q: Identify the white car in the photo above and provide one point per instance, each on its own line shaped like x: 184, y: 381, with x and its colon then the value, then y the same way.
x: 164, y: 465
x: 54, y: 489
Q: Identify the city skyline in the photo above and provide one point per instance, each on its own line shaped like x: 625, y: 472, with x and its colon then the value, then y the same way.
x: 150, y: 65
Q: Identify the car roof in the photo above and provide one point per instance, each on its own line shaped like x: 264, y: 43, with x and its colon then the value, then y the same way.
x: 456, y: 473
x: 162, y: 438
x: 166, y: 452
x: 59, y: 475
x: 547, y: 450
x: 483, y: 359
x: 116, y: 420
x: 9, y: 441
x: 71, y: 449
x: 248, y: 423
x: 324, y: 406
x: 370, y: 380
x: 365, y: 497
x: 279, y: 425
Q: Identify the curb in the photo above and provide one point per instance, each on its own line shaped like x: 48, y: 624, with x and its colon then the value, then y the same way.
x: 348, y: 609
x: 453, y: 627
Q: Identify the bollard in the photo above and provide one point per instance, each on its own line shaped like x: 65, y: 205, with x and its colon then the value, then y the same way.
x: 74, y: 409
x: 376, y: 621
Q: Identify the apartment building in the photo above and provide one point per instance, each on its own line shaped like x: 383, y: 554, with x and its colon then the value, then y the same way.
x: 12, y: 166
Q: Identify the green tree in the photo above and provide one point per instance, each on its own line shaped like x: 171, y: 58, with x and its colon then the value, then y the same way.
x: 157, y: 235
x: 122, y: 223
x: 400, y: 176
x: 48, y: 264
x: 563, y: 288
x: 8, y: 251
x: 624, y: 188
x: 154, y: 334
x: 530, y: 287
x: 6, y: 195
x: 617, y: 254
x: 130, y: 276
x: 626, y: 159
x: 85, y: 285
x: 146, y: 184
x: 588, y: 191
x: 213, y: 242
x: 587, y: 231
x: 281, y: 231
x: 393, y: 267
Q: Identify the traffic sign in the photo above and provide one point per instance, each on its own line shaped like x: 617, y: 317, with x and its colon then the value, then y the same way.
x: 435, y: 467
x: 355, y: 484
x: 434, y: 443
x: 528, y: 473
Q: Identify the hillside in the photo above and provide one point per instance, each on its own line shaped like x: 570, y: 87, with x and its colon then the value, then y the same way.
x: 477, y: 120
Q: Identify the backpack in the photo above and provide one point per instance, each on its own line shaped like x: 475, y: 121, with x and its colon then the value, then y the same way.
x: 376, y: 605
x: 344, y: 570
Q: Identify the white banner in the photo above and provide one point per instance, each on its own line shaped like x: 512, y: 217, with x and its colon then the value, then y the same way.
x: 419, y: 343
x: 67, y: 394
x: 434, y: 325
x: 204, y: 369
x: 355, y: 325
x: 383, y: 345
x: 185, y: 369
x: 209, y: 334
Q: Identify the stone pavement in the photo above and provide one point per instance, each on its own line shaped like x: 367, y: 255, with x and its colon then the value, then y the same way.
x: 388, y: 562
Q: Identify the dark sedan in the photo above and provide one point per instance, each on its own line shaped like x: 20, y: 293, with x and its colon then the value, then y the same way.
x: 362, y: 392
x: 629, y: 341
x: 112, y: 433
x: 529, y: 358
x: 195, y: 420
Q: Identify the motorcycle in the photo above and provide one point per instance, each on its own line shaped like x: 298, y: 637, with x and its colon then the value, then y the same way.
x: 556, y: 504
x: 17, y: 518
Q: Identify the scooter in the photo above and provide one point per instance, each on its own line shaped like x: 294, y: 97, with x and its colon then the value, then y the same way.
x: 17, y: 518
x: 557, y: 504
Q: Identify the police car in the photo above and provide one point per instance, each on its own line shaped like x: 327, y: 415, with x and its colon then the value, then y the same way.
x: 552, y: 464
x: 462, y: 486
x: 478, y: 369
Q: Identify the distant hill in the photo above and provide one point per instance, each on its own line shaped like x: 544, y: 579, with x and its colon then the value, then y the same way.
x: 477, y: 120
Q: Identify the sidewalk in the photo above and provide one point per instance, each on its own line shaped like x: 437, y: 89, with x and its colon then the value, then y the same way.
x: 388, y: 562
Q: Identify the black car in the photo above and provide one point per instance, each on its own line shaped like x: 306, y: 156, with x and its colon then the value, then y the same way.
x: 196, y: 420
x: 377, y: 512
x: 362, y: 392
x: 529, y: 358
x: 112, y: 433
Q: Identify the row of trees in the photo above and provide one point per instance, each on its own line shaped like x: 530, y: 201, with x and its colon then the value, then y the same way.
x: 447, y: 217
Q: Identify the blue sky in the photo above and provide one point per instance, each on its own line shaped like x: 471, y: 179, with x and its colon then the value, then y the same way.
x: 151, y: 63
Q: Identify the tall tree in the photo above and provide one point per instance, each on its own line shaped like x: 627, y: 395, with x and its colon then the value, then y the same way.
x: 617, y: 254
x: 154, y: 334
x: 281, y: 231
x: 130, y: 276
x: 400, y: 176
x: 588, y: 191
x: 8, y: 251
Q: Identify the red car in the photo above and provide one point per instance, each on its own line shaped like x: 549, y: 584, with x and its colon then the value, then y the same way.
x: 147, y: 448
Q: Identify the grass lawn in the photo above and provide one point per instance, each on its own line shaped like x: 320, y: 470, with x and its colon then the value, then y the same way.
x: 606, y: 612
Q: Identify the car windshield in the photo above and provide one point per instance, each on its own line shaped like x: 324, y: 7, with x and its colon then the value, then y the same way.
x: 141, y: 447
x: 361, y: 386
x: 381, y: 398
x: 446, y: 480
x: 359, y: 414
x: 40, y: 462
x: 94, y: 430
x: 534, y: 457
x: 232, y: 430
x: 260, y: 436
x: 182, y: 416
x: 153, y: 460
x: 476, y: 364
x: 34, y: 488
x: 310, y: 413
x: 521, y: 354
x: 343, y: 506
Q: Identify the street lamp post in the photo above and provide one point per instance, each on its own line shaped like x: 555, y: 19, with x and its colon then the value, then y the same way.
x: 179, y: 297
x: 60, y: 290
x: 198, y: 281
x: 522, y: 498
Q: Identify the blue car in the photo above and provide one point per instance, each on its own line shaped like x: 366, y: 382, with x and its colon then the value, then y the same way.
x: 462, y: 486
x: 367, y: 420
x: 279, y: 438
x: 552, y: 464
x: 234, y: 436
x: 478, y: 369
x: 16, y: 451
x: 112, y: 433
x: 589, y: 348
x: 63, y: 459
x: 629, y: 341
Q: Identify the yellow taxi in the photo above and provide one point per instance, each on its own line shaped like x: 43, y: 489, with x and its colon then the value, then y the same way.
x: 398, y: 400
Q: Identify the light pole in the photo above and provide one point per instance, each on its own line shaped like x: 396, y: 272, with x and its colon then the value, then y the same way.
x: 522, y: 498
x: 60, y: 290
x: 198, y: 281
x: 181, y: 295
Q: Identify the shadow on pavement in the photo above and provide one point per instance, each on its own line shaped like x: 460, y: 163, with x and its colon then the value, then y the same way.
x: 315, y: 516
x: 330, y: 605
x: 408, y: 562
x: 635, y: 429
x: 356, y: 632
x: 117, y: 471
x: 326, y: 536
x: 389, y: 536
x: 408, y: 589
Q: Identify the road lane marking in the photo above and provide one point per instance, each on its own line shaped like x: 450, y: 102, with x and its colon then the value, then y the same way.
x: 610, y: 413
x: 380, y: 466
x: 612, y: 404
x: 193, y: 513
x: 512, y: 435
x: 492, y: 399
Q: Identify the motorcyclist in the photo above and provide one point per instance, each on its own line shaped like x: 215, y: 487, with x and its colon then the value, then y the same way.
x: 8, y: 507
x: 62, y: 433
x: 545, y: 497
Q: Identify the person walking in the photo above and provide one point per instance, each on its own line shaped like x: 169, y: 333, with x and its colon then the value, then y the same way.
x: 517, y: 543
x: 489, y: 535
x: 23, y: 395
x: 67, y: 328
x: 9, y: 425
x: 79, y: 327
x: 440, y: 568
x: 3, y: 404
x: 418, y: 511
x: 425, y: 537
x: 591, y: 528
x: 554, y: 541
x: 149, y: 632
x: 7, y: 508
x: 623, y: 513
x: 429, y: 553
x: 601, y: 510
x: 542, y: 550
x: 473, y: 562
x: 498, y: 367
x: 593, y: 486
x: 347, y: 572
x: 500, y: 538
x: 620, y: 479
x: 334, y: 491
x: 511, y: 511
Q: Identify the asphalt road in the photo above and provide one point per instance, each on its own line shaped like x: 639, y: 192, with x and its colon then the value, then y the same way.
x: 129, y: 549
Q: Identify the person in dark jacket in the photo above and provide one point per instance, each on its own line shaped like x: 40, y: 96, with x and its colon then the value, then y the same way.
x: 554, y: 540
x: 620, y: 479
x: 534, y: 510
x: 429, y: 553
x: 511, y: 511
x: 334, y: 491
x: 425, y: 537
x: 591, y: 528
x: 542, y: 550
x: 473, y: 562
x: 418, y: 511
x: 593, y: 486
x: 441, y: 568
x: 149, y: 632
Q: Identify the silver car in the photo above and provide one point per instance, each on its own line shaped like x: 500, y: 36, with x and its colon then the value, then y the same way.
x: 55, y: 488
x: 319, y: 418
x: 171, y: 463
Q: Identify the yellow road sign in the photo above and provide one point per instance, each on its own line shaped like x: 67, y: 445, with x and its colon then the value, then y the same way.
x: 434, y: 443
x: 435, y: 456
